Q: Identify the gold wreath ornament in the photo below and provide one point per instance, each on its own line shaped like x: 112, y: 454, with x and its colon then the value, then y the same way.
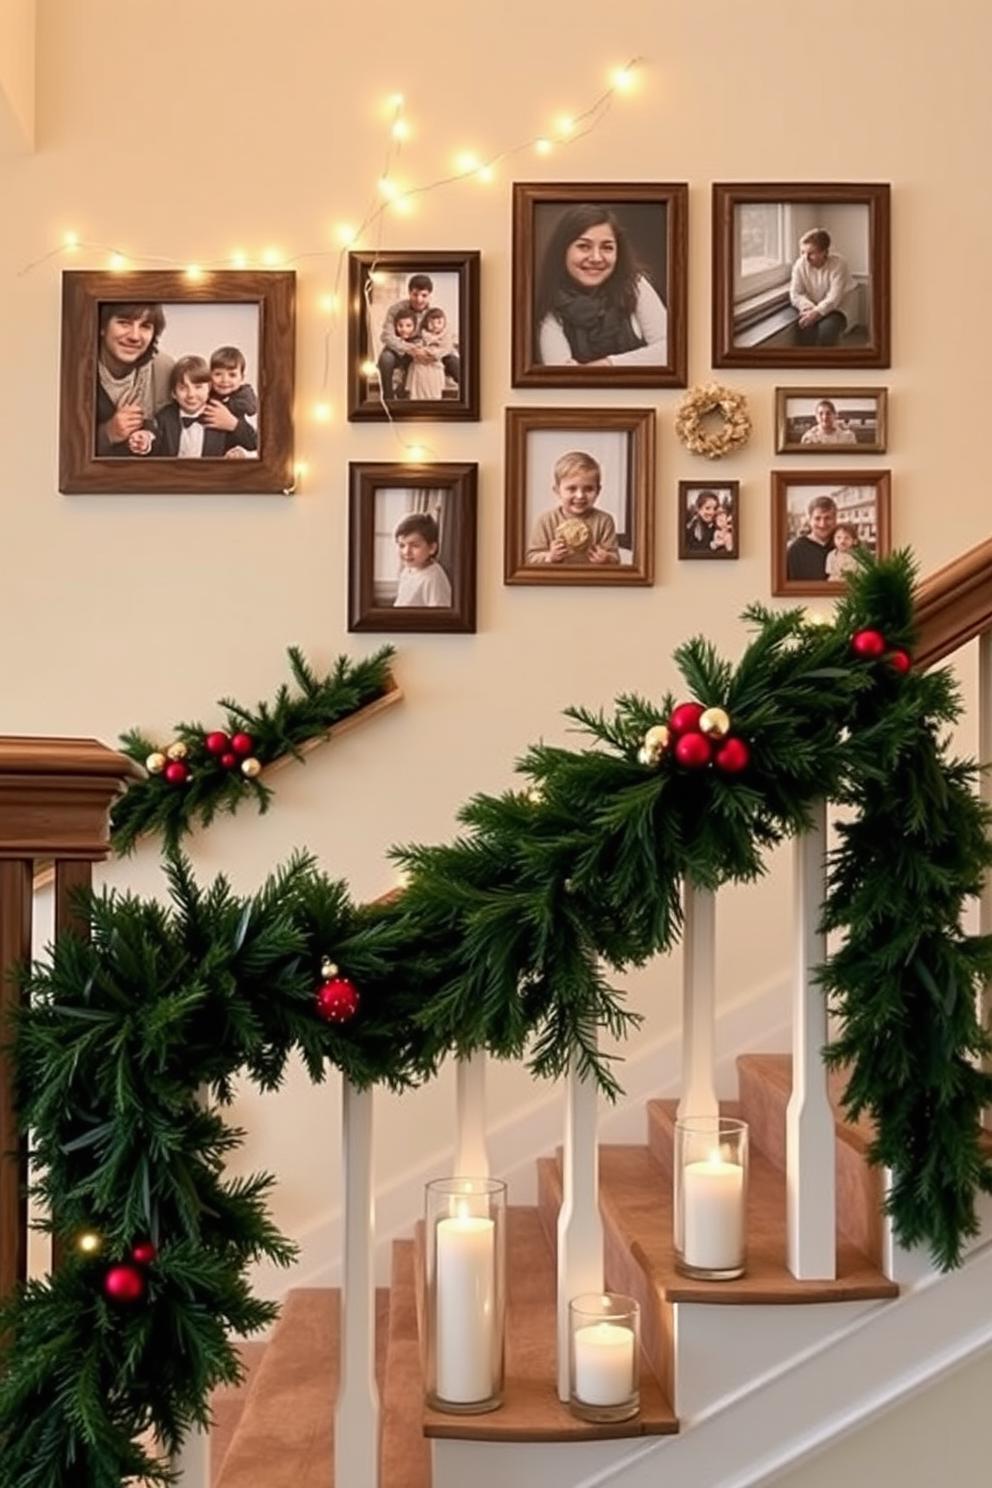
x: 713, y: 398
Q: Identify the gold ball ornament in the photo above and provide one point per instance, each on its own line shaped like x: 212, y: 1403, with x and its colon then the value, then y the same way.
x: 328, y: 969
x: 177, y: 751
x: 251, y: 767
x: 657, y: 738
x: 155, y: 763
x: 714, y: 723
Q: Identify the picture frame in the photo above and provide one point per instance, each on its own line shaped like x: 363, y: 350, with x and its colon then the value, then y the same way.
x: 802, y: 503
x: 780, y: 250
x: 396, y: 514
x: 114, y: 370
x: 439, y: 380
x: 842, y: 421
x: 610, y: 451
x: 632, y: 261
x: 709, y: 519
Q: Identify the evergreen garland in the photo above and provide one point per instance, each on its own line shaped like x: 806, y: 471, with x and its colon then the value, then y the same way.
x: 502, y: 941
x: 214, y: 780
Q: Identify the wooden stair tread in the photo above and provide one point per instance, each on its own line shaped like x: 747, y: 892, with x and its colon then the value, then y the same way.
x: 637, y: 1193
x: 774, y: 1071
x: 531, y: 1410
x: 285, y: 1437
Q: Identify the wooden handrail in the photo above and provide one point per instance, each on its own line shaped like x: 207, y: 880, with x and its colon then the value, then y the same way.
x: 954, y: 604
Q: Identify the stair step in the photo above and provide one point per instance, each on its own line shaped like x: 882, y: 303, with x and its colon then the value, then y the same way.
x: 227, y: 1406
x: 285, y: 1437
x: 531, y: 1410
x: 636, y: 1205
x: 405, y: 1460
x: 765, y: 1088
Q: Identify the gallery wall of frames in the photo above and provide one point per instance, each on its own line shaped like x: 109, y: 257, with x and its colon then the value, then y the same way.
x: 187, y: 388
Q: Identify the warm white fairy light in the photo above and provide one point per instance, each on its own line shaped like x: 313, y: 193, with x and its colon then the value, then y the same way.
x: 70, y: 241
x: 485, y: 173
x: 271, y: 257
x: 565, y: 126
x: 543, y: 146
x: 400, y: 129
x: 388, y: 188
x: 622, y: 79
x: 239, y: 260
x: 117, y: 262
x: 345, y: 234
x: 466, y: 163
x: 322, y: 412
x: 403, y: 205
x: 193, y: 272
x: 369, y: 369
x: 330, y: 303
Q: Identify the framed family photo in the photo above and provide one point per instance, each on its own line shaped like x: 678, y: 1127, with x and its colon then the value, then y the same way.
x: 599, y: 285
x: 412, y: 545
x: 820, y: 524
x: 831, y: 421
x: 579, y: 496
x: 413, y: 335
x: 801, y: 275
x: 175, y: 384
x: 709, y: 519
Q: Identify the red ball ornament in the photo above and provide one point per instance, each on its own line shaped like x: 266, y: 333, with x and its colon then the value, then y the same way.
x: 732, y: 757
x: 694, y: 751
x: 337, y: 1000
x: 144, y: 1252
x: 242, y: 743
x: 900, y: 661
x: 217, y: 742
x: 868, y: 644
x: 229, y: 761
x: 124, y: 1283
x: 176, y: 772
x: 685, y: 718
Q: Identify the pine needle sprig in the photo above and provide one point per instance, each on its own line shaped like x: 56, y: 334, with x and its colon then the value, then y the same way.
x: 158, y: 806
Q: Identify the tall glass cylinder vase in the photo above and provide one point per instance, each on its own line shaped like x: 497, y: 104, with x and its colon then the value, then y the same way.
x: 710, y: 1198
x: 465, y: 1293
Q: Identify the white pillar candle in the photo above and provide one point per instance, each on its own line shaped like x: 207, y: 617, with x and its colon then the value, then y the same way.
x: 604, y: 1364
x: 713, y: 1200
x: 466, y: 1306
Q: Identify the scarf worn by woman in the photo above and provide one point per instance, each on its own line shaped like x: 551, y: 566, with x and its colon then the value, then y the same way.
x: 594, y: 327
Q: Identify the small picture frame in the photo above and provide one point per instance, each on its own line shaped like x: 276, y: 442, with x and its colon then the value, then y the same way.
x: 579, y: 496
x: 709, y: 519
x: 413, y: 335
x: 831, y: 421
x: 819, y: 520
x: 412, y: 547
x: 599, y: 285
x: 172, y: 384
x: 801, y: 275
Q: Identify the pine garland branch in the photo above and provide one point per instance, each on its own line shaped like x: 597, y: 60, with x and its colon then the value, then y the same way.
x: 214, y: 779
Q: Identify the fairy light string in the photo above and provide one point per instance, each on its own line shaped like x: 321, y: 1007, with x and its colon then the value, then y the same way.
x: 389, y: 195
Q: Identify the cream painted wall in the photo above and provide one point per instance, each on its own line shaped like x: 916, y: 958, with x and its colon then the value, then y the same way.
x: 185, y: 137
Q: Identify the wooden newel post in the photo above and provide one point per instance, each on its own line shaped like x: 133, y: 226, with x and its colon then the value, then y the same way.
x: 55, y: 799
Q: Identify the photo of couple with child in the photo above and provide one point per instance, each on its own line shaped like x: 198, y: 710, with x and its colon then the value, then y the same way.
x: 153, y: 403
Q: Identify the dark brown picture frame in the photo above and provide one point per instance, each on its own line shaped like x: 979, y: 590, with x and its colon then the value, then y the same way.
x: 448, y: 492
x: 621, y: 441
x: 654, y: 219
x: 754, y: 322
x: 863, y: 411
x: 82, y: 471
x: 791, y: 493
x: 378, y: 280
x: 694, y: 538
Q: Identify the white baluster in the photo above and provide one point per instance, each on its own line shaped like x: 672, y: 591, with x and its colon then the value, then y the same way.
x: 810, y: 1135
x: 985, y: 789
x: 356, y: 1420
x: 698, y: 1004
x: 192, y: 1462
x: 580, y: 1229
x: 471, y: 1158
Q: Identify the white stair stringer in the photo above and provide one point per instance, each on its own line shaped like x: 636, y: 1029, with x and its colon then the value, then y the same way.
x: 882, y: 1356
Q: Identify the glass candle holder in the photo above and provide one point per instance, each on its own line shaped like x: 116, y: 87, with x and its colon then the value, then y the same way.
x: 710, y: 1199
x: 604, y: 1347
x: 465, y: 1293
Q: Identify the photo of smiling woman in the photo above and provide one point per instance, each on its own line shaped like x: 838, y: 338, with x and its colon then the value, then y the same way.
x: 595, y: 306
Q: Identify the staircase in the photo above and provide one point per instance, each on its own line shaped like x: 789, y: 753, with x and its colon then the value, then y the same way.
x: 707, y: 1346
